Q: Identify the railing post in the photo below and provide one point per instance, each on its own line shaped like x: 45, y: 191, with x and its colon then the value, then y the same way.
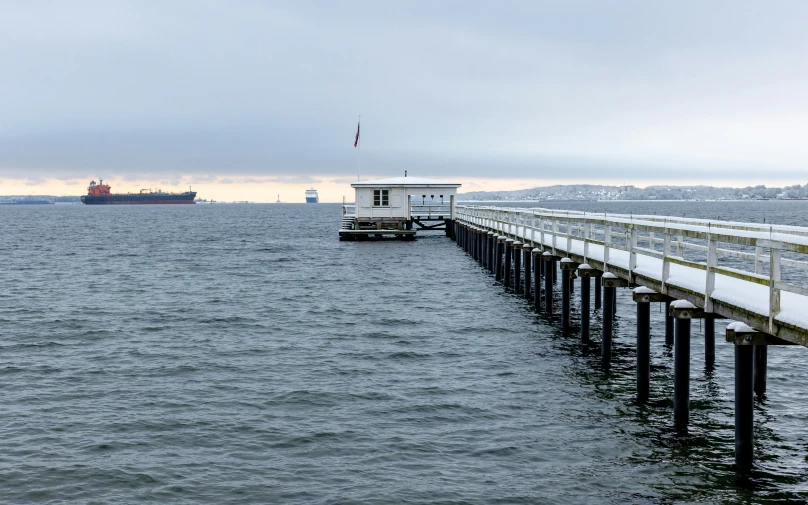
x: 758, y: 261
x: 607, y: 242
x: 666, y: 265
x: 586, y: 237
x: 555, y: 233
x: 569, y: 236
x: 712, y: 260
x: 632, y: 255
x: 774, y: 291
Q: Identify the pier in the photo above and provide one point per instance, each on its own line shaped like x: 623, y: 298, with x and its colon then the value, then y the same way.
x: 698, y: 269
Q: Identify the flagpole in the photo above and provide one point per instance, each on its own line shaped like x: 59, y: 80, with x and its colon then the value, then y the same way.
x: 358, y: 150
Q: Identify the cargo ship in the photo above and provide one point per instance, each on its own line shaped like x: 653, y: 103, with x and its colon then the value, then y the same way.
x: 311, y: 196
x: 99, y: 194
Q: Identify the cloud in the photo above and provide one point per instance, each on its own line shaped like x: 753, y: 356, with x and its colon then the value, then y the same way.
x: 520, y: 89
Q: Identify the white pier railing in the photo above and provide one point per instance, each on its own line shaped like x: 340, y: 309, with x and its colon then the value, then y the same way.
x: 733, y: 269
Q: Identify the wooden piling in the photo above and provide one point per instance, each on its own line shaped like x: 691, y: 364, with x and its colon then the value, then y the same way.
x: 490, y: 240
x: 549, y: 267
x: 537, y: 260
x: 608, y: 328
x: 517, y: 266
x: 668, y: 324
x: 508, y: 262
x: 498, y: 261
x: 526, y: 260
x: 744, y: 407
x: 683, y: 312
x: 610, y: 284
x: 643, y: 351
x: 567, y: 269
x: 597, y: 293
x: 585, y: 272
x: 759, y: 369
x: 709, y: 341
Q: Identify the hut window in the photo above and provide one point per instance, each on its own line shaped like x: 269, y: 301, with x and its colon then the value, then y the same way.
x: 381, y: 198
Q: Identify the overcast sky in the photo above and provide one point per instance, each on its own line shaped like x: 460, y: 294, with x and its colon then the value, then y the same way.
x: 570, y: 90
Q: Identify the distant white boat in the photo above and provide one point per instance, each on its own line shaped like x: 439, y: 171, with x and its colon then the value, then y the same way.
x: 311, y: 196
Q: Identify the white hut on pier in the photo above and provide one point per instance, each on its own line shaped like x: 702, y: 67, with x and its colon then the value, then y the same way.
x: 394, y: 206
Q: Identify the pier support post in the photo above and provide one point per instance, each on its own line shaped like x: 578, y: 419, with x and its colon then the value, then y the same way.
x: 597, y: 293
x: 683, y: 311
x: 537, y: 278
x: 481, y: 247
x: 709, y: 341
x: 492, y: 242
x: 759, y: 369
x: 614, y: 303
x: 555, y: 272
x: 549, y: 267
x: 644, y: 297
x: 465, y: 235
x: 517, y: 265
x: 608, y: 328
x: 508, y: 261
x: 643, y: 351
x: 681, y: 374
x: 567, y: 269
x: 744, y: 407
x: 585, y: 272
x: 610, y: 284
x: 478, y: 245
x: 526, y: 260
x: 484, y: 249
x: 668, y: 324
x: 499, y: 257
x: 747, y: 343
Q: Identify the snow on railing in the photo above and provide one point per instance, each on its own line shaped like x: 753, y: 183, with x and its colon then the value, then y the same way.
x: 559, y: 229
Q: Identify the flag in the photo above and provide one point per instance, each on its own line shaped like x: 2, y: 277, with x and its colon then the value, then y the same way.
x: 356, y: 140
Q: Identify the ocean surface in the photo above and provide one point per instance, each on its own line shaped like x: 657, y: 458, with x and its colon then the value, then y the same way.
x: 242, y: 354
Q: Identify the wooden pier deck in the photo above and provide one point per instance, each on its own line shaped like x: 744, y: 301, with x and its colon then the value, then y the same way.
x: 751, y: 273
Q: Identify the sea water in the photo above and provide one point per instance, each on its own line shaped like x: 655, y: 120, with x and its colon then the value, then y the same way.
x: 242, y: 354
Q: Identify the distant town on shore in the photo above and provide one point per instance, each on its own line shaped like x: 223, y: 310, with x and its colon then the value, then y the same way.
x: 588, y: 192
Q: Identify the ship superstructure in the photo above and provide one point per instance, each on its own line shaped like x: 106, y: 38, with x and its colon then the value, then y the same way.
x: 311, y: 196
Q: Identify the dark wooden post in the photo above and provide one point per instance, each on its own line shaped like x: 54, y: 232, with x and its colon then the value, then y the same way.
x: 517, y: 265
x: 537, y: 260
x: 585, y: 272
x: 549, y: 267
x: 759, y: 369
x: 709, y: 341
x: 508, y: 261
x: 499, y: 259
x: 610, y: 284
x: 598, y: 292
x: 567, y: 269
x: 683, y: 312
x: 644, y: 297
x: 526, y: 255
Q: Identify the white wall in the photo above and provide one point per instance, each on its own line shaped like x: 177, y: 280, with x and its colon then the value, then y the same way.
x: 365, y: 208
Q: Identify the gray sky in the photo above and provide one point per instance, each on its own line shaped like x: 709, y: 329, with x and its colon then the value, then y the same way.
x: 572, y: 89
